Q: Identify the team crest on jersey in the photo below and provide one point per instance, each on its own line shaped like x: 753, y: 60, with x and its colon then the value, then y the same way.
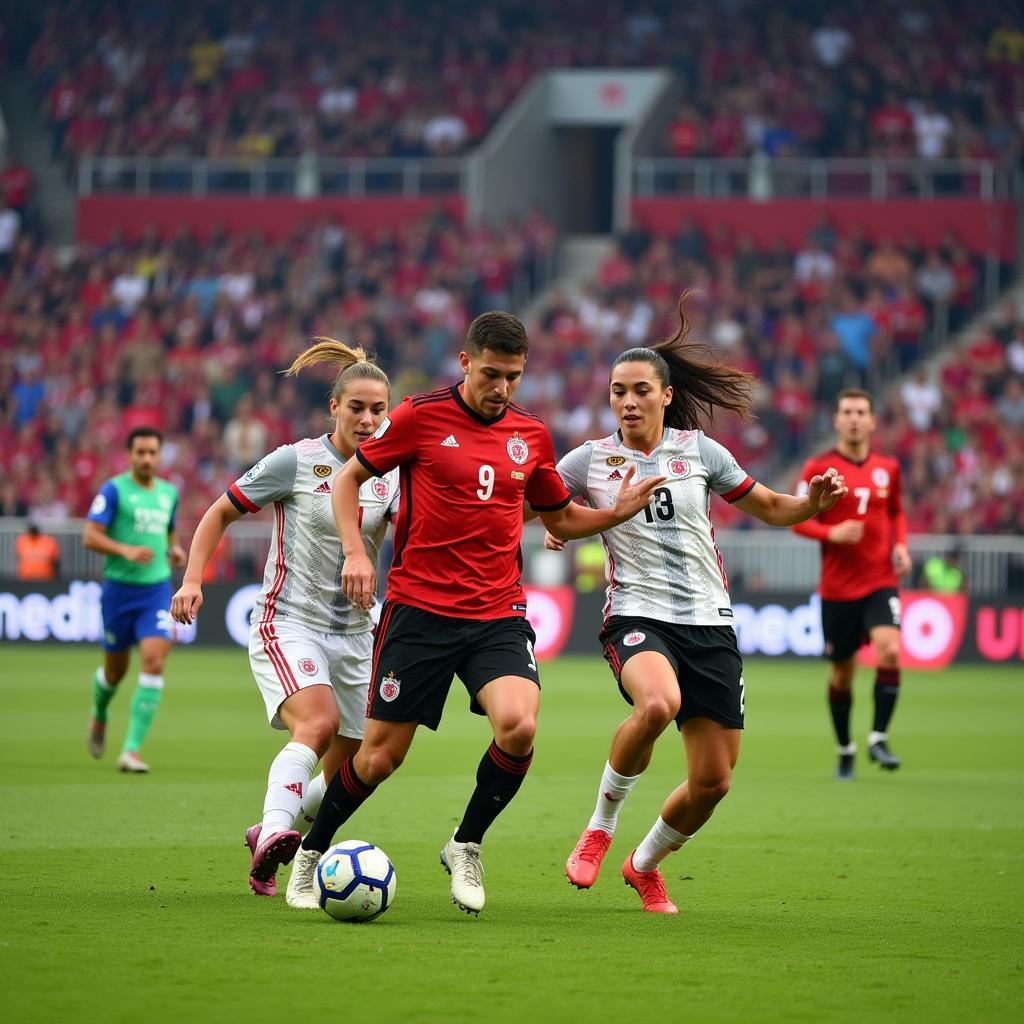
x: 518, y: 450
x: 616, y: 460
x: 307, y: 665
x: 633, y: 637
x: 380, y: 488
x: 321, y: 470
x: 679, y: 467
x: 390, y: 687
x: 880, y: 476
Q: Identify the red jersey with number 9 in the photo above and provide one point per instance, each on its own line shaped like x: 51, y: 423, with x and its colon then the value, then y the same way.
x: 460, y: 519
x: 851, y: 571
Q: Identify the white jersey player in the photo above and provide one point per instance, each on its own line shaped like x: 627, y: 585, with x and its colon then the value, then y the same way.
x: 664, y: 563
x: 309, y: 647
x: 667, y: 632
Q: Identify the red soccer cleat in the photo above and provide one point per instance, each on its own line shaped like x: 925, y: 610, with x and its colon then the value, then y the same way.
x: 268, y: 856
x: 585, y: 861
x: 651, y: 887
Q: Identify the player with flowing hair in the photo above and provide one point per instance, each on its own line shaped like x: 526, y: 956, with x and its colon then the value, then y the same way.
x: 668, y: 633
x: 309, y: 646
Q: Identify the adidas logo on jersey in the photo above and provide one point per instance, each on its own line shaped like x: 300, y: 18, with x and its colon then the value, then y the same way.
x: 450, y: 442
x: 324, y: 488
x: 614, y: 475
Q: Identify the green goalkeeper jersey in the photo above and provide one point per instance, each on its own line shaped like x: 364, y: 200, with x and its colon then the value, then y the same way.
x: 133, y: 514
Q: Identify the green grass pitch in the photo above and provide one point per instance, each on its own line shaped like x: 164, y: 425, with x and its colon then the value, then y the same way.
x: 898, y: 897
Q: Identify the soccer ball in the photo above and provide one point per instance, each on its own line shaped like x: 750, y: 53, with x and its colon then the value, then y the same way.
x: 355, y: 881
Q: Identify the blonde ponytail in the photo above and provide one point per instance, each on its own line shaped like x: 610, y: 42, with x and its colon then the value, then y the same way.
x: 353, y: 362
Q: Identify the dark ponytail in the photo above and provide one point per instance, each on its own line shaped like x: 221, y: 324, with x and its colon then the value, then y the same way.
x: 700, y: 381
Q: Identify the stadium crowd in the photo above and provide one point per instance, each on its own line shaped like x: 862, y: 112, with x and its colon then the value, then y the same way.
x: 237, y: 79
x: 191, y: 338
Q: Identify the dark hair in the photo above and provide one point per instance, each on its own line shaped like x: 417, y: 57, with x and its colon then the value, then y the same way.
x: 855, y: 393
x: 700, y: 381
x: 143, y: 432
x: 498, y: 331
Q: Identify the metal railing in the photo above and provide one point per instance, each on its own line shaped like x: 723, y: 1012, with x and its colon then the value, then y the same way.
x: 760, y: 177
x: 770, y: 560
x: 303, y: 177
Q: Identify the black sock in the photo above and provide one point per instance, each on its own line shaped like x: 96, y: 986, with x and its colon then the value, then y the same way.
x: 887, y: 689
x: 342, y: 798
x: 497, y: 780
x: 839, y: 703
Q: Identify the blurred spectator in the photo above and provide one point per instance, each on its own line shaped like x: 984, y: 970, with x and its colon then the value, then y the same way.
x: 37, y: 554
x: 943, y: 573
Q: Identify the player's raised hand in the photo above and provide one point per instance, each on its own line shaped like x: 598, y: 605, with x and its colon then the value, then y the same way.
x: 849, y: 531
x: 633, y: 497
x: 186, y: 603
x: 138, y: 553
x: 358, y: 580
x: 553, y: 543
x: 825, y: 489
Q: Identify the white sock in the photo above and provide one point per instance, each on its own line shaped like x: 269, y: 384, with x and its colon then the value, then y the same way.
x: 101, y: 678
x: 154, y: 682
x: 287, y: 784
x: 657, y: 845
x: 877, y: 737
x: 312, y: 797
x: 610, y: 797
x: 850, y: 748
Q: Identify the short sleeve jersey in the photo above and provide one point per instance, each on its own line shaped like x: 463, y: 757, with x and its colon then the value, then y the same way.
x: 301, y: 579
x: 852, y: 571
x: 464, y: 479
x: 663, y: 563
x: 137, y: 515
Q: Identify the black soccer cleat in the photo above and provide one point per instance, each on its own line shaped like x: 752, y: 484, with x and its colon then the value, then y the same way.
x: 882, y: 756
x: 844, y: 770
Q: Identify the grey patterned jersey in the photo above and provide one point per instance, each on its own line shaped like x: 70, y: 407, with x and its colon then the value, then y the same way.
x: 663, y: 563
x: 301, y: 582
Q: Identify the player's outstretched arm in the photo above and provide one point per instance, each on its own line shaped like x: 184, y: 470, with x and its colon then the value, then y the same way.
x: 575, y: 521
x: 209, y: 533
x: 358, y: 577
x: 823, y: 491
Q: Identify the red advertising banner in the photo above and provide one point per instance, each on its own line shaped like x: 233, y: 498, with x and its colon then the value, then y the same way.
x: 983, y: 227
x: 275, y: 216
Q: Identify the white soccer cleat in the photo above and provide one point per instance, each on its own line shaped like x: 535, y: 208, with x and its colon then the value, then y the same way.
x: 130, y: 762
x: 462, y: 862
x: 301, y: 892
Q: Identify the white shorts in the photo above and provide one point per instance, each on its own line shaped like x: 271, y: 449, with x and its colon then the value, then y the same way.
x: 289, y: 657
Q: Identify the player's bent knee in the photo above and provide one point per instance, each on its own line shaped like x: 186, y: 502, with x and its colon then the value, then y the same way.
x: 376, y: 765
x: 654, y: 715
x: 317, y: 733
x: 714, y: 790
x: 517, y: 738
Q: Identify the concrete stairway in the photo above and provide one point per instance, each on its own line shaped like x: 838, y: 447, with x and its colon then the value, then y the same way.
x: 29, y: 137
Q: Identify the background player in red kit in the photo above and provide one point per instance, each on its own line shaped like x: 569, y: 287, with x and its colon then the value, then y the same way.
x: 863, y: 551
x: 468, y: 458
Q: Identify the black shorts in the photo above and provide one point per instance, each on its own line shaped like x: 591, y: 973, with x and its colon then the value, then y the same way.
x: 417, y: 653
x: 847, y: 624
x: 705, y: 659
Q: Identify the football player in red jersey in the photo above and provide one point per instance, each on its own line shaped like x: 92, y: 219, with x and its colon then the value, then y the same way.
x: 468, y: 457
x: 863, y: 553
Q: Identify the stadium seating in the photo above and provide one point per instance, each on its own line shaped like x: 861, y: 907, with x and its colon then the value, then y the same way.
x: 278, y: 80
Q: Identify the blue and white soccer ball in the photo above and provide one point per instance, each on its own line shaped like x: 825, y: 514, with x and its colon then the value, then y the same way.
x: 355, y: 881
